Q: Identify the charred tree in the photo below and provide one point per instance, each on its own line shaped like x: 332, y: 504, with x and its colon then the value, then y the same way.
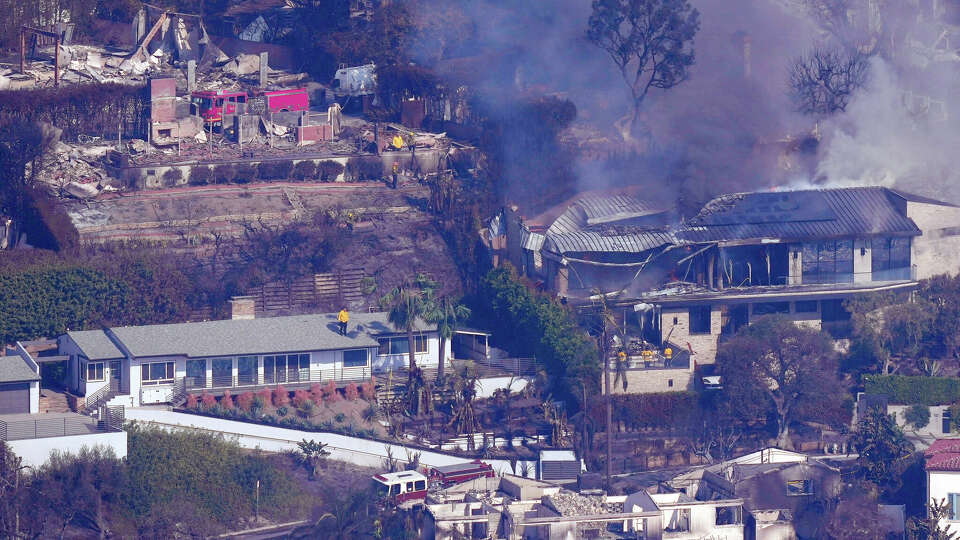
x: 650, y: 41
x: 822, y: 82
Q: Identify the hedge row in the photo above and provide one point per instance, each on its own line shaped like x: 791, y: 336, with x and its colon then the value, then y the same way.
x: 904, y: 390
x: 243, y: 173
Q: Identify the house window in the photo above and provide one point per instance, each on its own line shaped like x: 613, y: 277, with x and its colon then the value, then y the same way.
x: 807, y: 306
x: 953, y: 499
x: 800, y: 487
x: 678, y: 521
x: 700, y: 320
x: 355, y: 358
x: 246, y: 369
x: 946, y: 422
x: 766, y: 308
x: 828, y: 262
x: 729, y: 515
x: 94, y: 371
x: 420, y: 485
x: 890, y: 258
x: 400, y: 345
x: 157, y: 373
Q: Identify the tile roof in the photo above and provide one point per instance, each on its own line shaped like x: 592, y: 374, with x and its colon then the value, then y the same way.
x: 800, y: 215
x: 294, y: 333
x: 943, y: 455
x: 15, y: 369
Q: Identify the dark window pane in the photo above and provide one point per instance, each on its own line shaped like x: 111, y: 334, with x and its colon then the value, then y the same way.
x: 700, y: 320
x: 355, y: 358
x: 384, y: 346
x: 765, y: 308
x: 807, y: 306
x: 399, y: 346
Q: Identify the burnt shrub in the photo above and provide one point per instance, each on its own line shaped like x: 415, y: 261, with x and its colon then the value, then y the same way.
x: 365, y: 168
x: 224, y: 174
x: 276, y: 170
x: 305, y: 170
x: 328, y: 171
x: 244, y: 173
x: 200, y: 176
x: 172, y: 177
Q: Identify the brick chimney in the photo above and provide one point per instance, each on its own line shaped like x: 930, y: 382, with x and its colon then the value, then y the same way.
x: 242, y: 307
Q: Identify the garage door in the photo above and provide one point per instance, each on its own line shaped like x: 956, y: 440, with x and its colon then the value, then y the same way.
x: 14, y: 398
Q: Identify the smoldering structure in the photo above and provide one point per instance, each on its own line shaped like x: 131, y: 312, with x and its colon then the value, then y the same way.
x: 683, y: 283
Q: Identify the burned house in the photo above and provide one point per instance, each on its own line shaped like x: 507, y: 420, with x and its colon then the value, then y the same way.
x: 684, y: 284
x: 780, y: 490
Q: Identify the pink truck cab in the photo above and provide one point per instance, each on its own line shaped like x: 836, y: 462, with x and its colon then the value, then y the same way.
x: 212, y: 105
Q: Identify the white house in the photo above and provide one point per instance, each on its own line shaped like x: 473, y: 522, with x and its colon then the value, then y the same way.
x: 943, y: 478
x: 137, y: 365
x: 33, y: 435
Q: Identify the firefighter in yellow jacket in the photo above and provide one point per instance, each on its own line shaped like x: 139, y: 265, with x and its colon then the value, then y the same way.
x: 342, y: 319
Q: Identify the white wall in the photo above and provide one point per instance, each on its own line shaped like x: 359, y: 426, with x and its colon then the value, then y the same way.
x: 34, y: 397
x: 362, y: 452
x: 35, y: 452
x: 937, y: 251
x: 934, y: 428
x: 939, y: 486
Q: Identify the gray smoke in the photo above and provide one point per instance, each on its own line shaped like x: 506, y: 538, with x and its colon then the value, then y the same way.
x: 731, y: 127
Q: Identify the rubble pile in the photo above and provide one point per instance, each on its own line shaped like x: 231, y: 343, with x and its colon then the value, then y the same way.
x: 569, y: 503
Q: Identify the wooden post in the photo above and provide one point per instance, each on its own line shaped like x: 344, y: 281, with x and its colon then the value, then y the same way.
x: 23, y: 51
x: 56, y: 62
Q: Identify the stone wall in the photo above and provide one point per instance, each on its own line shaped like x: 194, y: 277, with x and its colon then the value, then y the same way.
x: 675, y: 327
x: 646, y: 381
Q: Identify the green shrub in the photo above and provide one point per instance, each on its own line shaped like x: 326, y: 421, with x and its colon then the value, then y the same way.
x: 328, y: 171
x: 276, y: 170
x: 282, y: 411
x: 305, y: 170
x: 244, y: 173
x: 224, y: 174
x: 917, y: 416
x: 903, y: 390
x: 364, y: 168
x: 340, y: 418
x: 201, y: 175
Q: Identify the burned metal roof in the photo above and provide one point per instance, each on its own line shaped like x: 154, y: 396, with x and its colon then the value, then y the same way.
x: 587, y: 226
x: 592, y: 241
x: 801, y: 215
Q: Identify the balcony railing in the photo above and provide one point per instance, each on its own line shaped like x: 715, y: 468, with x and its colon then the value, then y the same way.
x: 290, y: 376
x: 41, y: 428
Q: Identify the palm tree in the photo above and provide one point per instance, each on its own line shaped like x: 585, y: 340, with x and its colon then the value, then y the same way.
x: 448, y: 314
x: 408, y: 303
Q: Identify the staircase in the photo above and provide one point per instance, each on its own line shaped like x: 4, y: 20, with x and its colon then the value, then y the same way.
x: 52, y: 401
x: 96, y: 399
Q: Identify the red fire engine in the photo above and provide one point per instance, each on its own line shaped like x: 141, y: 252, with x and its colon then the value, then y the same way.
x: 211, y: 106
x: 401, y: 486
x: 449, y: 475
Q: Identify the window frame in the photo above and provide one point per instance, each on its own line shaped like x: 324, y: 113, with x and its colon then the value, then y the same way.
x: 388, y: 342
x: 697, y: 313
x: 807, y: 489
x: 366, y: 358
x: 146, y: 370
x: 953, y: 502
x: 86, y: 372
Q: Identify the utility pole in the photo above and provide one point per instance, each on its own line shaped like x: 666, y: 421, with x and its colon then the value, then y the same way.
x: 604, y: 352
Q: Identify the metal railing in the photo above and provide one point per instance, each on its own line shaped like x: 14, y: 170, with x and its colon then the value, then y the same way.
x: 41, y: 428
x: 98, y: 398
x: 290, y: 376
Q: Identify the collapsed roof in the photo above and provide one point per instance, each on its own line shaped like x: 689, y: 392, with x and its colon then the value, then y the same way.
x: 624, y: 224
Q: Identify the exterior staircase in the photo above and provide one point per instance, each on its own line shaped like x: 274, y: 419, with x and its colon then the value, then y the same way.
x: 52, y: 401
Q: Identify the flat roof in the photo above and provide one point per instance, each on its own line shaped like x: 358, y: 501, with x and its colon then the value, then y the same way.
x: 295, y: 333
